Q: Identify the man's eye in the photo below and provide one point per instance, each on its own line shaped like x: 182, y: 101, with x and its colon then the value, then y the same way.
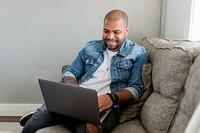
x: 105, y: 31
x: 116, y: 32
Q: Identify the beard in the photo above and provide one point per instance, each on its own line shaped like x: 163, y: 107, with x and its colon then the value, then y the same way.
x: 113, y: 44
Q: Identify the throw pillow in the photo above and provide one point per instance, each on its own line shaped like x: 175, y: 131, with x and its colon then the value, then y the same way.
x: 133, y: 110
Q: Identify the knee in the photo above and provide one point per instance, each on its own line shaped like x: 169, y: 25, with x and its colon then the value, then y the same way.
x: 91, y: 128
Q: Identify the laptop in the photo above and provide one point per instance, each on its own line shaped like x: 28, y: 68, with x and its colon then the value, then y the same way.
x: 71, y: 100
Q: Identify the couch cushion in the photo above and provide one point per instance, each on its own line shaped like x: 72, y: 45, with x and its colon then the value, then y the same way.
x: 133, y: 110
x: 171, y: 61
x: 133, y: 126
x: 190, y: 100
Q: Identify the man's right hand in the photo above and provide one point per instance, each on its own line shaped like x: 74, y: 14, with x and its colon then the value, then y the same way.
x: 70, y: 80
x: 105, y: 102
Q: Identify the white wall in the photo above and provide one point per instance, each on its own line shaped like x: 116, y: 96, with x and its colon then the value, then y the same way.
x: 194, y: 33
x: 37, y: 37
x: 176, y: 19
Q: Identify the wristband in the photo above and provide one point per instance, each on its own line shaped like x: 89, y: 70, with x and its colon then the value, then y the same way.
x: 114, y: 98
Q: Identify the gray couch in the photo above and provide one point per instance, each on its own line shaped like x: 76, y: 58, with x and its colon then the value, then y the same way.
x: 172, y: 90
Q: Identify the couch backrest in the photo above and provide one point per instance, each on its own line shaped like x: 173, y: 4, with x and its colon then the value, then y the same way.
x: 171, y: 61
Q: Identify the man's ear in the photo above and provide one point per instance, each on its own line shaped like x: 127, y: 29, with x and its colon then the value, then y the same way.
x: 126, y: 31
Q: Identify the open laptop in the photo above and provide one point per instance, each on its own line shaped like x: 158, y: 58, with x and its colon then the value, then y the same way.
x: 71, y: 100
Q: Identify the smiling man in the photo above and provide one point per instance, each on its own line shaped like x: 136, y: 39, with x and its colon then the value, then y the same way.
x: 115, y: 29
x: 111, y: 66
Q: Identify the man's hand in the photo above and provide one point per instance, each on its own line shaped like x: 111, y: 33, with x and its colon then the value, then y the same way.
x: 70, y: 80
x: 105, y: 102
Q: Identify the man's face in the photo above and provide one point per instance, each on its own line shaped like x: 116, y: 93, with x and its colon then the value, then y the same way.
x: 114, y: 33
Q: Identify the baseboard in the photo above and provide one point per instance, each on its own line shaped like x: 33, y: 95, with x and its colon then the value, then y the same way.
x: 17, y: 109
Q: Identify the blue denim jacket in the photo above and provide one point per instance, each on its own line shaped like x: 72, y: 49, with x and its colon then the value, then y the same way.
x: 125, y: 69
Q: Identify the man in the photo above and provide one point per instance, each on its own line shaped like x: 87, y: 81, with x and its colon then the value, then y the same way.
x: 112, y: 66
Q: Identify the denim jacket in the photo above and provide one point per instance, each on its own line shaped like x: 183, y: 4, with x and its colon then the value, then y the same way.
x: 125, y: 69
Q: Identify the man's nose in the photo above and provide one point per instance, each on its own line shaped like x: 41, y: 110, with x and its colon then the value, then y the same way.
x: 110, y: 36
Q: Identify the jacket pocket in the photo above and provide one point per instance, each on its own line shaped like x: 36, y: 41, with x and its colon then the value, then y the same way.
x: 89, y: 62
x: 123, y: 70
x: 124, y: 64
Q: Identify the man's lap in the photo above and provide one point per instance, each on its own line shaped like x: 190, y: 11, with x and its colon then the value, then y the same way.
x: 43, y: 118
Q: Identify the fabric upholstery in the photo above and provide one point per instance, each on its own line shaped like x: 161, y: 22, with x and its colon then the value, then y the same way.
x: 132, y: 110
x: 133, y: 126
x: 171, y: 63
x: 193, y: 125
x: 190, y: 100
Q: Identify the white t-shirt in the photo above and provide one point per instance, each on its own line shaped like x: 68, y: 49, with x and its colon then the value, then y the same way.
x: 101, y: 79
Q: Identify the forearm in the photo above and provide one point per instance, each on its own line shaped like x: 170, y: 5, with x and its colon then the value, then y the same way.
x: 70, y: 80
x: 125, y: 96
